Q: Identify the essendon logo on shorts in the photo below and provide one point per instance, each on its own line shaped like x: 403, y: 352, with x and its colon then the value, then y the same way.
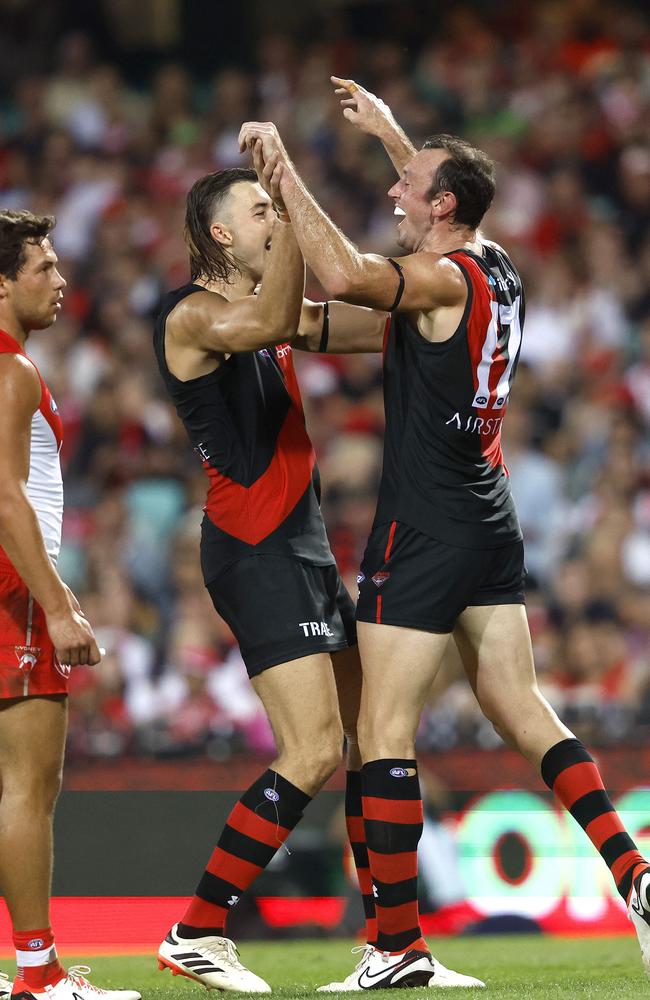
x: 380, y: 578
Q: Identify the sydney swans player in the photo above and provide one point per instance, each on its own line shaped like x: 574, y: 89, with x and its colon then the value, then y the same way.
x: 43, y: 633
x: 445, y: 556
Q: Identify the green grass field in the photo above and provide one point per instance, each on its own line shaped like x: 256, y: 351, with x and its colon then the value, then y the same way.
x: 530, y: 968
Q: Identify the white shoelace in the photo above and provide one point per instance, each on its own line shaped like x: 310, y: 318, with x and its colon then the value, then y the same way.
x: 224, y: 949
x: 77, y: 974
x: 367, y: 950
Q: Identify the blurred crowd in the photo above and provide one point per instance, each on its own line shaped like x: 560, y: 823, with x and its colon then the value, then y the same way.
x: 559, y: 94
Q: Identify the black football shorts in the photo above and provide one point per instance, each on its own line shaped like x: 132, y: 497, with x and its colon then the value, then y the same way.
x: 280, y: 609
x: 415, y: 581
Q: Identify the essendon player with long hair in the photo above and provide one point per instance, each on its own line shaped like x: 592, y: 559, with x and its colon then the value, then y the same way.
x: 445, y: 556
x: 43, y: 633
x: 225, y: 355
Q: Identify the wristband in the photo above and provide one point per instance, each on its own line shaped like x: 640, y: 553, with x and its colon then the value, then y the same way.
x: 325, y: 335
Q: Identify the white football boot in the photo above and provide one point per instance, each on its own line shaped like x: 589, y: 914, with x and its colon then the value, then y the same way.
x: 639, y: 913
x: 379, y: 970
x: 5, y: 986
x: 74, y: 986
x: 211, y: 961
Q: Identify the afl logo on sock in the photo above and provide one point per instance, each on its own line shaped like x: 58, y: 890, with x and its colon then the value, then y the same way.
x: 272, y: 794
x: 399, y: 772
x: 35, y: 944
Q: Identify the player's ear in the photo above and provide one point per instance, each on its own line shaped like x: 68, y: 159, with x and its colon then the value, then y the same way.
x: 443, y: 204
x: 3, y: 286
x: 221, y: 234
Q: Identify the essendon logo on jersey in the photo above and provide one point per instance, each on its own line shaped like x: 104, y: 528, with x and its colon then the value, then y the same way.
x: 380, y: 578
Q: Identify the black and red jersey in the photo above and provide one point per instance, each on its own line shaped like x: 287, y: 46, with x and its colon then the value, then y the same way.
x: 445, y: 402
x: 245, y: 422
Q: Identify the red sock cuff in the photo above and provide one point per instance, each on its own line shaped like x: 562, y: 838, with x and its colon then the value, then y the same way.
x: 26, y: 940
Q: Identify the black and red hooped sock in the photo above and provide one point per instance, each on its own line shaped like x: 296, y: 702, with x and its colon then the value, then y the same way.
x: 570, y: 772
x: 392, y: 813
x: 357, y: 834
x: 258, y: 825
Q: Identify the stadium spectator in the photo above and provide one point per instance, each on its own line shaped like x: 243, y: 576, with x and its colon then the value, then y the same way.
x: 559, y: 94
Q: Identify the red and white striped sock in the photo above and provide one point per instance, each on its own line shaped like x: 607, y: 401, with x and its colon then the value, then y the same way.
x: 36, y: 958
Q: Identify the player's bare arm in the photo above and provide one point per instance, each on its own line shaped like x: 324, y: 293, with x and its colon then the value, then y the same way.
x: 339, y: 328
x: 20, y: 533
x: 371, y: 115
x: 430, y: 281
x: 212, y: 324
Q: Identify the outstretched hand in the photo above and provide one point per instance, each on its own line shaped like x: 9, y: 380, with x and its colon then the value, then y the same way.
x: 364, y: 110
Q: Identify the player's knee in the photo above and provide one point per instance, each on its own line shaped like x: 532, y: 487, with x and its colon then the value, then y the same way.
x: 494, y: 713
x: 35, y: 789
x: 321, y: 762
x: 514, y: 723
x: 505, y: 734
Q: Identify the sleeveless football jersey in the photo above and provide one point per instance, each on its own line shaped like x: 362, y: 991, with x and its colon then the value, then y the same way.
x: 246, y: 424
x: 443, y: 470
x: 45, y: 482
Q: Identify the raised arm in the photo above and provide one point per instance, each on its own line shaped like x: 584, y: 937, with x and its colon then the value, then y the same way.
x: 20, y: 532
x: 421, y: 281
x: 371, y: 115
x: 339, y: 328
x: 214, y: 324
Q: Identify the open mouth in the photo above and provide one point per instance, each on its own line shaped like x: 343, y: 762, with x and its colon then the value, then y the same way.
x: 267, y: 245
x: 399, y: 211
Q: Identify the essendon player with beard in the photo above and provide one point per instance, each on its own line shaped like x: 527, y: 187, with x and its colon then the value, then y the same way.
x: 445, y: 556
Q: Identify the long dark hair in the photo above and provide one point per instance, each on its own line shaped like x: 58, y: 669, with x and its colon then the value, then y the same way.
x: 468, y: 173
x: 208, y: 259
x: 17, y: 229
